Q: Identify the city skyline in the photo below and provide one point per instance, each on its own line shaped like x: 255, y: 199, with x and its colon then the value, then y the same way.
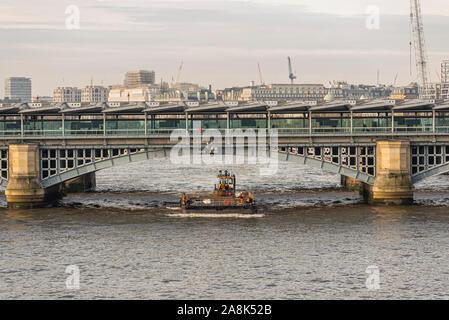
x: 220, y: 42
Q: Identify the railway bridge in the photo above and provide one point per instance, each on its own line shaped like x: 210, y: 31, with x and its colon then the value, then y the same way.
x: 383, y: 146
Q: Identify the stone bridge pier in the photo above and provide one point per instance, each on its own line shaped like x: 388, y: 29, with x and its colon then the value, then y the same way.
x: 393, y: 184
x: 24, y: 188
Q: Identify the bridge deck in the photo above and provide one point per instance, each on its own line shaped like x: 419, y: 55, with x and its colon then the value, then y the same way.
x: 380, y: 118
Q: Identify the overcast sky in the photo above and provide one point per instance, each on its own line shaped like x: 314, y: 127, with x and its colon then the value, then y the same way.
x: 220, y: 41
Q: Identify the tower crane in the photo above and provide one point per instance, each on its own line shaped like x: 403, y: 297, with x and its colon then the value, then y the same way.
x: 179, y: 72
x: 291, y: 75
x: 260, y: 74
x: 420, y: 44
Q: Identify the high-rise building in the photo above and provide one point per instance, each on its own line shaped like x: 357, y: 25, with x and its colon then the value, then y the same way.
x: 18, y: 88
x: 94, y: 94
x: 139, y: 77
x: 445, y: 71
x: 67, y: 94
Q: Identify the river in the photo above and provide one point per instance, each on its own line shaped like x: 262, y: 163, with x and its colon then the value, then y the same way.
x: 309, y: 240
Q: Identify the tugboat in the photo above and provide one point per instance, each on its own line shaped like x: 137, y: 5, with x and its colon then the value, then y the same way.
x: 223, y: 197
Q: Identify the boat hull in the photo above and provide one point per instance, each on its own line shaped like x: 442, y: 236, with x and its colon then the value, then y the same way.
x: 217, y: 204
x: 220, y: 208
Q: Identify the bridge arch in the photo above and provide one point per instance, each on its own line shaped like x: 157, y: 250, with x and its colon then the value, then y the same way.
x: 328, y: 167
x: 128, y: 155
x: 282, y: 155
x: 103, y: 164
x: 434, y: 171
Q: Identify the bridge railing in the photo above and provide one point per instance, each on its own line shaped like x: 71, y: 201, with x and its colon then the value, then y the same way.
x: 371, y: 129
x: 415, y: 129
x: 332, y: 130
x: 83, y: 132
x: 442, y: 129
x: 42, y: 132
x: 10, y: 133
x: 14, y: 133
x: 298, y: 131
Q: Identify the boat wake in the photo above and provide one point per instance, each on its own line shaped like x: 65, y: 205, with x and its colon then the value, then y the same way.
x: 215, y: 215
x: 173, y: 208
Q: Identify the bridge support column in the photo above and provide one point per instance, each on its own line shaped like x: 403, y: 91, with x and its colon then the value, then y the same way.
x: 81, y: 184
x: 393, y: 183
x: 24, y: 188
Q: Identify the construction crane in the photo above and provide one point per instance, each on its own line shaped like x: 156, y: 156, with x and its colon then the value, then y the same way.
x: 419, y: 42
x: 260, y: 74
x: 179, y: 72
x: 291, y: 75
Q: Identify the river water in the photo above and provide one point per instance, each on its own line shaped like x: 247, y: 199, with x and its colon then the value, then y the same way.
x: 309, y: 240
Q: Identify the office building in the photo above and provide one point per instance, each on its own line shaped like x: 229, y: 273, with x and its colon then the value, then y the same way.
x: 67, y: 94
x: 18, y: 88
x: 445, y: 71
x: 276, y: 92
x: 139, y: 77
x: 94, y: 94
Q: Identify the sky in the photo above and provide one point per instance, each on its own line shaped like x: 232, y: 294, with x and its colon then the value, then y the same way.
x: 220, y: 41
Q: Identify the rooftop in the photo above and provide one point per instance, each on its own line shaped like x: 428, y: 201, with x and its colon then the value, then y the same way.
x: 183, y: 107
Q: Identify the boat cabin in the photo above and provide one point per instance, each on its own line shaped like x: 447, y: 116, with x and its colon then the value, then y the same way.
x: 225, y: 185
